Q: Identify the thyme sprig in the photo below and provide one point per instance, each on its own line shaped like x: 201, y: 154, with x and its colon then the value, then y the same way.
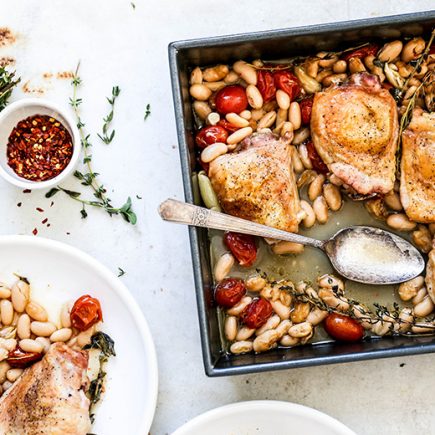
x: 7, y: 84
x: 147, y: 112
x: 107, y: 137
x: 90, y: 178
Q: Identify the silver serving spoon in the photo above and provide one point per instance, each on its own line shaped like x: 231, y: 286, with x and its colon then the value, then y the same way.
x: 363, y: 254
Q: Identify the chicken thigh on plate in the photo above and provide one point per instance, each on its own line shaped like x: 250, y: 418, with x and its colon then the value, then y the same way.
x: 257, y: 182
x: 354, y: 128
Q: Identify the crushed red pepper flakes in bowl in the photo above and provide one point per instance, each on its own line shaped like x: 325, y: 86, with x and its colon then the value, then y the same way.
x: 39, y: 148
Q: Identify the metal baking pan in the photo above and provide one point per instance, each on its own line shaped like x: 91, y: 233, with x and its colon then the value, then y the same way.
x: 274, y: 44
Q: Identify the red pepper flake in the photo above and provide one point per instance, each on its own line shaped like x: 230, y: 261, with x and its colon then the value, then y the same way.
x: 44, y: 221
x: 39, y: 148
x: 19, y: 204
x: 40, y: 209
x: 35, y: 231
x: 27, y: 191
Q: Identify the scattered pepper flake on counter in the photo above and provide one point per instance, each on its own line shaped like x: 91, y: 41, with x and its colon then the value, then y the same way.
x: 6, y: 37
x: 39, y: 148
x: 35, y: 231
x: 27, y: 191
x: 41, y: 210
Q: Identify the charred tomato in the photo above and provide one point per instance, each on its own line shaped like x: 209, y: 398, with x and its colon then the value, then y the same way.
x: 242, y: 246
x: 287, y: 82
x: 229, y: 292
x: 210, y: 135
x: 266, y: 85
x: 86, y: 312
x: 256, y: 313
x: 343, y: 328
x: 17, y: 358
x: 316, y: 160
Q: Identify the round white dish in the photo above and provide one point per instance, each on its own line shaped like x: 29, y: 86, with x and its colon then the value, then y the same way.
x: 21, y: 109
x: 58, y: 273
x: 263, y: 417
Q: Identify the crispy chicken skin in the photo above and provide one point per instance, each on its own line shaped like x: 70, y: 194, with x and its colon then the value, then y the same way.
x: 49, y: 399
x: 417, y: 183
x: 354, y: 128
x: 257, y: 182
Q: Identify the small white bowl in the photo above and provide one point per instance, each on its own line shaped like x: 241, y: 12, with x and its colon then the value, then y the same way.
x: 20, y: 110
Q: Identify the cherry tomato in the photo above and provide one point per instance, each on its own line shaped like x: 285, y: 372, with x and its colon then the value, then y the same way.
x: 256, y: 313
x: 432, y: 49
x: 227, y: 125
x: 387, y: 86
x: 266, y: 85
x: 343, y: 328
x: 306, y: 106
x: 85, y: 312
x: 229, y: 292
x: 210, y: 135
x: 17, y: 358
x: 368, y: 50
x: 231, y: 99
x: 316, y: 160
x: 287, y: 82
x: 242, y: 246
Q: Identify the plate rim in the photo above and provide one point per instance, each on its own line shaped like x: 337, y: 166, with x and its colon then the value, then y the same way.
x: 261, y: 405
x: 122, y: 291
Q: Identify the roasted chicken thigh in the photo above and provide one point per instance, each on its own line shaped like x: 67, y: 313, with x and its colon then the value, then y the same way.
x: 354, y: 128
x: 257, y: 182
x: 49, y: 399
x: 417, y: 183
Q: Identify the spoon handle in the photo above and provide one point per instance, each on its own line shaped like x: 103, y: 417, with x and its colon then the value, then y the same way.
x: 189, y: 214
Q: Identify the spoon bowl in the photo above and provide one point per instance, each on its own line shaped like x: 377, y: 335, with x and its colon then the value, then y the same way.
x: 360, y: 253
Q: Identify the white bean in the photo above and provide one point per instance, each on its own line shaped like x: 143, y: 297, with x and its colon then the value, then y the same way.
x: 237, y: 120
x: 13, y: 374
x: 5, y: 291
x: 213, y: 152
x: 267, y: 120
x: 255, y: 99
x: 284, y: 248
x: 300, y: 330
x: 202, y: 109
x: 240, y: 306
x: 23, y: 326
x: 215, y: 73
x: 421, y: 294
x: 317, y: 316
x: 246, y: 114
x: 332, y: 196
x: 239, y: 135
x: 244, y: 333
x: 310, y: 218
x: 223, y: 266
x: 20, y: 295
x: 246, y: 72
x: 392, y: 199
x: 283, y: 327
x: 280, y: 309
x: 255, y: 283
x: 65, y: 316
x: 330, y: 282
x: 61, y: 335
x: 241, y: 347
x: 288, y: 340
x: 196, y: 76
x: 390, y: 51
x: 315, y: 188
x: 300, y: 136
x: 413, y: 49
x: 200, y: 92
x: 29, y: 345
x: 283, y: 99
x: 356, y: 65
x: 266, y: 340
x: 231, y: 78
x: 321, y: 209
x: 7, y: 385
x: 271, y: 323
x: 399, y: 221
x: 6, y: 312
x: 44, y: 342
x: 84, y: 337
x: 257, y: 114
x: 212, y: 118
x: 42, y: 329
x: 8, y: 343
x: 332, y: 300
x: 231, y: 328
x: 36, y: 311
x: 4, y: 367
x: 425, y: 307
x: 339, y: 67
x: 294, y: 115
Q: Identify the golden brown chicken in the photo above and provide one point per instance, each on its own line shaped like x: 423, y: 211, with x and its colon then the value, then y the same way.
x: 354, y: 128
x: 49, y: 398
x: 430, y: 274
x: 257, y: 182
x: 417, y: 183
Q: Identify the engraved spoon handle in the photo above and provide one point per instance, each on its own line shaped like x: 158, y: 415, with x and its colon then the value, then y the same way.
x: 189, y: 214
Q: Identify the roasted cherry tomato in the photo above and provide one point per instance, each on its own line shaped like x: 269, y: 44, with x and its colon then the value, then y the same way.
x: 432, y: 49
x: 266, y: 85
x: 231, y: 99
x: 306, y: 106
x: 287, y: 82
x: 343, y: 328
x: 229, y: 292
x: 17, y: 358
x: 227, y: 125
x: 242, y: 246
x: 210, y: 135
x: 256, y: 313
x: 316, y: 160
x: 86, y: 312
x: 368, y: 50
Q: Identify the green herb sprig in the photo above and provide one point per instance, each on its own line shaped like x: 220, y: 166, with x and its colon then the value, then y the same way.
x: 7, y: 84
x: 89, y: 178
x: 107, y: 137
x: 147, y: 112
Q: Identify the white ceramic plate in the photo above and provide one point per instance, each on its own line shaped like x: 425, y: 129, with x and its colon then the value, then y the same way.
x: 264, y: 417
x: 58, y: 273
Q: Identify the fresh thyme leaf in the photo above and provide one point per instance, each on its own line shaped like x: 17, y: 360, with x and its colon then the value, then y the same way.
x: 71, y: 193
x: 107, y: 138
x: 102, y: 342
x: 52, y: 192
x: 133, y: 5
x: 96, y: 388
x: 138, y: 197
x: 83, y: 212
x: 147, y: 112
x: 22, y: 278
x: 7, y: 84
x: 121, y: 272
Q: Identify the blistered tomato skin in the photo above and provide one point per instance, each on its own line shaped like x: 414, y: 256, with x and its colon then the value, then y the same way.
x: 242, y: 246
x: 86, y: 312
x: 368, y: 50
x: 210, y: 135
x: 266, y: 85
x: 343, y: 328
x: 316, y: 160
x: 17, y: 358
x: 306, y: 106
x: 287, y: 82
x: 227, y: 126
x: 256, y: 313
x: 231, y: 99
x: 229, y: 292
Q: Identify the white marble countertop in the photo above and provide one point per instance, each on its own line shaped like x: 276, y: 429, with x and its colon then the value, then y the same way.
x: 121, y: 45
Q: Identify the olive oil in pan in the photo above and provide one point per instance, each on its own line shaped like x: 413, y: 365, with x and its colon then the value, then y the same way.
x: 312, y: 262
